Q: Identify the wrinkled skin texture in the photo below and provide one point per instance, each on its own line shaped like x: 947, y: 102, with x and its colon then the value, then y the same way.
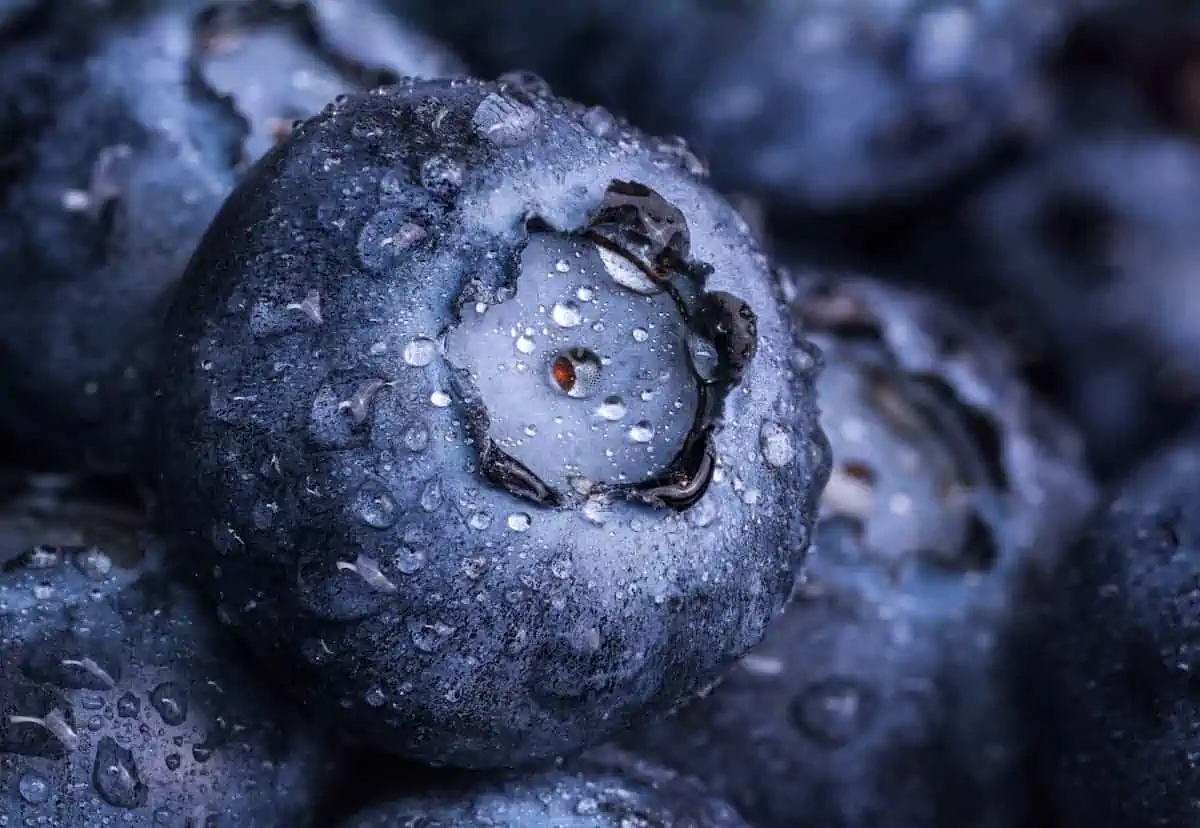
x: 822, y: 106
x: 880, y: 698
x: 125, y: 124
x: 1115, y: 648
x: 603, y: 789
x: 328, y: 460
x: 118, y: 702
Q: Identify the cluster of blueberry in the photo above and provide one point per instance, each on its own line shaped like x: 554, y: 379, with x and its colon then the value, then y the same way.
x: 386, y: 447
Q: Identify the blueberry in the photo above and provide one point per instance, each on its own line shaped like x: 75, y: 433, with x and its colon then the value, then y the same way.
x: 119, y: 703
x: 880, y: 697
x: 463, y: 411
x: 1096, y: 244
x: 124, y: 125
x: 825, y: 106
x: 1117, y: 645
x: 603, y: 789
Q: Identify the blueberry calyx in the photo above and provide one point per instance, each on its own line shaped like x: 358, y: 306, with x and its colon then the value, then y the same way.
x: 621, y: 360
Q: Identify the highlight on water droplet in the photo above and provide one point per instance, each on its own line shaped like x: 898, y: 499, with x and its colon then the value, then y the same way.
x: 420, y: 352
x: 612, y: 409
x: 641, y: 432
x: 576, y: 372
x: 566, y: 314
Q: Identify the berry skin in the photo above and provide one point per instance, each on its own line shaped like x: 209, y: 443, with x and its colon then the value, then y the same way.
x: 824, y: 106
x: 606, y: 788
x: 118, y: 703
x: 1117, y: 650
x: 880, y: 697
x: 123, y: 125
x: 1098, y: 243
x: 465, y: 409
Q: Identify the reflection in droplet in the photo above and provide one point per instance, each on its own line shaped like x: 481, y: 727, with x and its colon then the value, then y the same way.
x: 641, y: 432
x: 775, y: 442
x: 116, y: 777
x: 420, y: 352
x: 566, y: 314
x: 576, y: 372
x: 625, y: 273
x: 409, y: 560
x: 34, y: 788
x: 612, y: 409
x: 376, y: 506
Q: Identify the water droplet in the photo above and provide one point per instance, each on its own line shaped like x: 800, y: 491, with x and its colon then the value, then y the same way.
x: 525, y: 344
x: 479, y: 521
x: 530, y: 430
x: 440, y: 399
x: 640, y: 334
x: 599, y: 121
x: 612, y: 409
x: 561, y: 568
x: 129, y: 706
x: 519, y: 522
x: 376, y: 506
x: 115, y: 776
x: 171, y: 703
x: 585, y: 294
x: 441, y: 174
x: 375, y: 697
x: 429, y: 637
x: 775, y: 442
x: 530, y: 83
x: 833, y: 711
x: 409, y: 560
x: 595, y: 510
x: 386, y: 239
x: 641, y: 432
x: 625, y: 273
x: 504, y: 121
x: 562, y: 266
x: 704, y: 357
x: 431, y: 496
x: 173, y: 761
x: 420, y: 352
x: 566, y: 314
x: 91, y: 701
x: 806, y: 359
x: 93, y: 563
x: 416, y: 438
x: 34, y: 788
x: 475, y: 568
x: 576, y: 372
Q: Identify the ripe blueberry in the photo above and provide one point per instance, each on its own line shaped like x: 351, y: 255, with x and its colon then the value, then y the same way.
x: 1097, y: 243
x: 119, y: 704
x: 822, y: 106
x: 123, y: 125
x: 880, y: 698
x: 464, y: 416
x: 603, y: 789
x: 1116, y: 647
